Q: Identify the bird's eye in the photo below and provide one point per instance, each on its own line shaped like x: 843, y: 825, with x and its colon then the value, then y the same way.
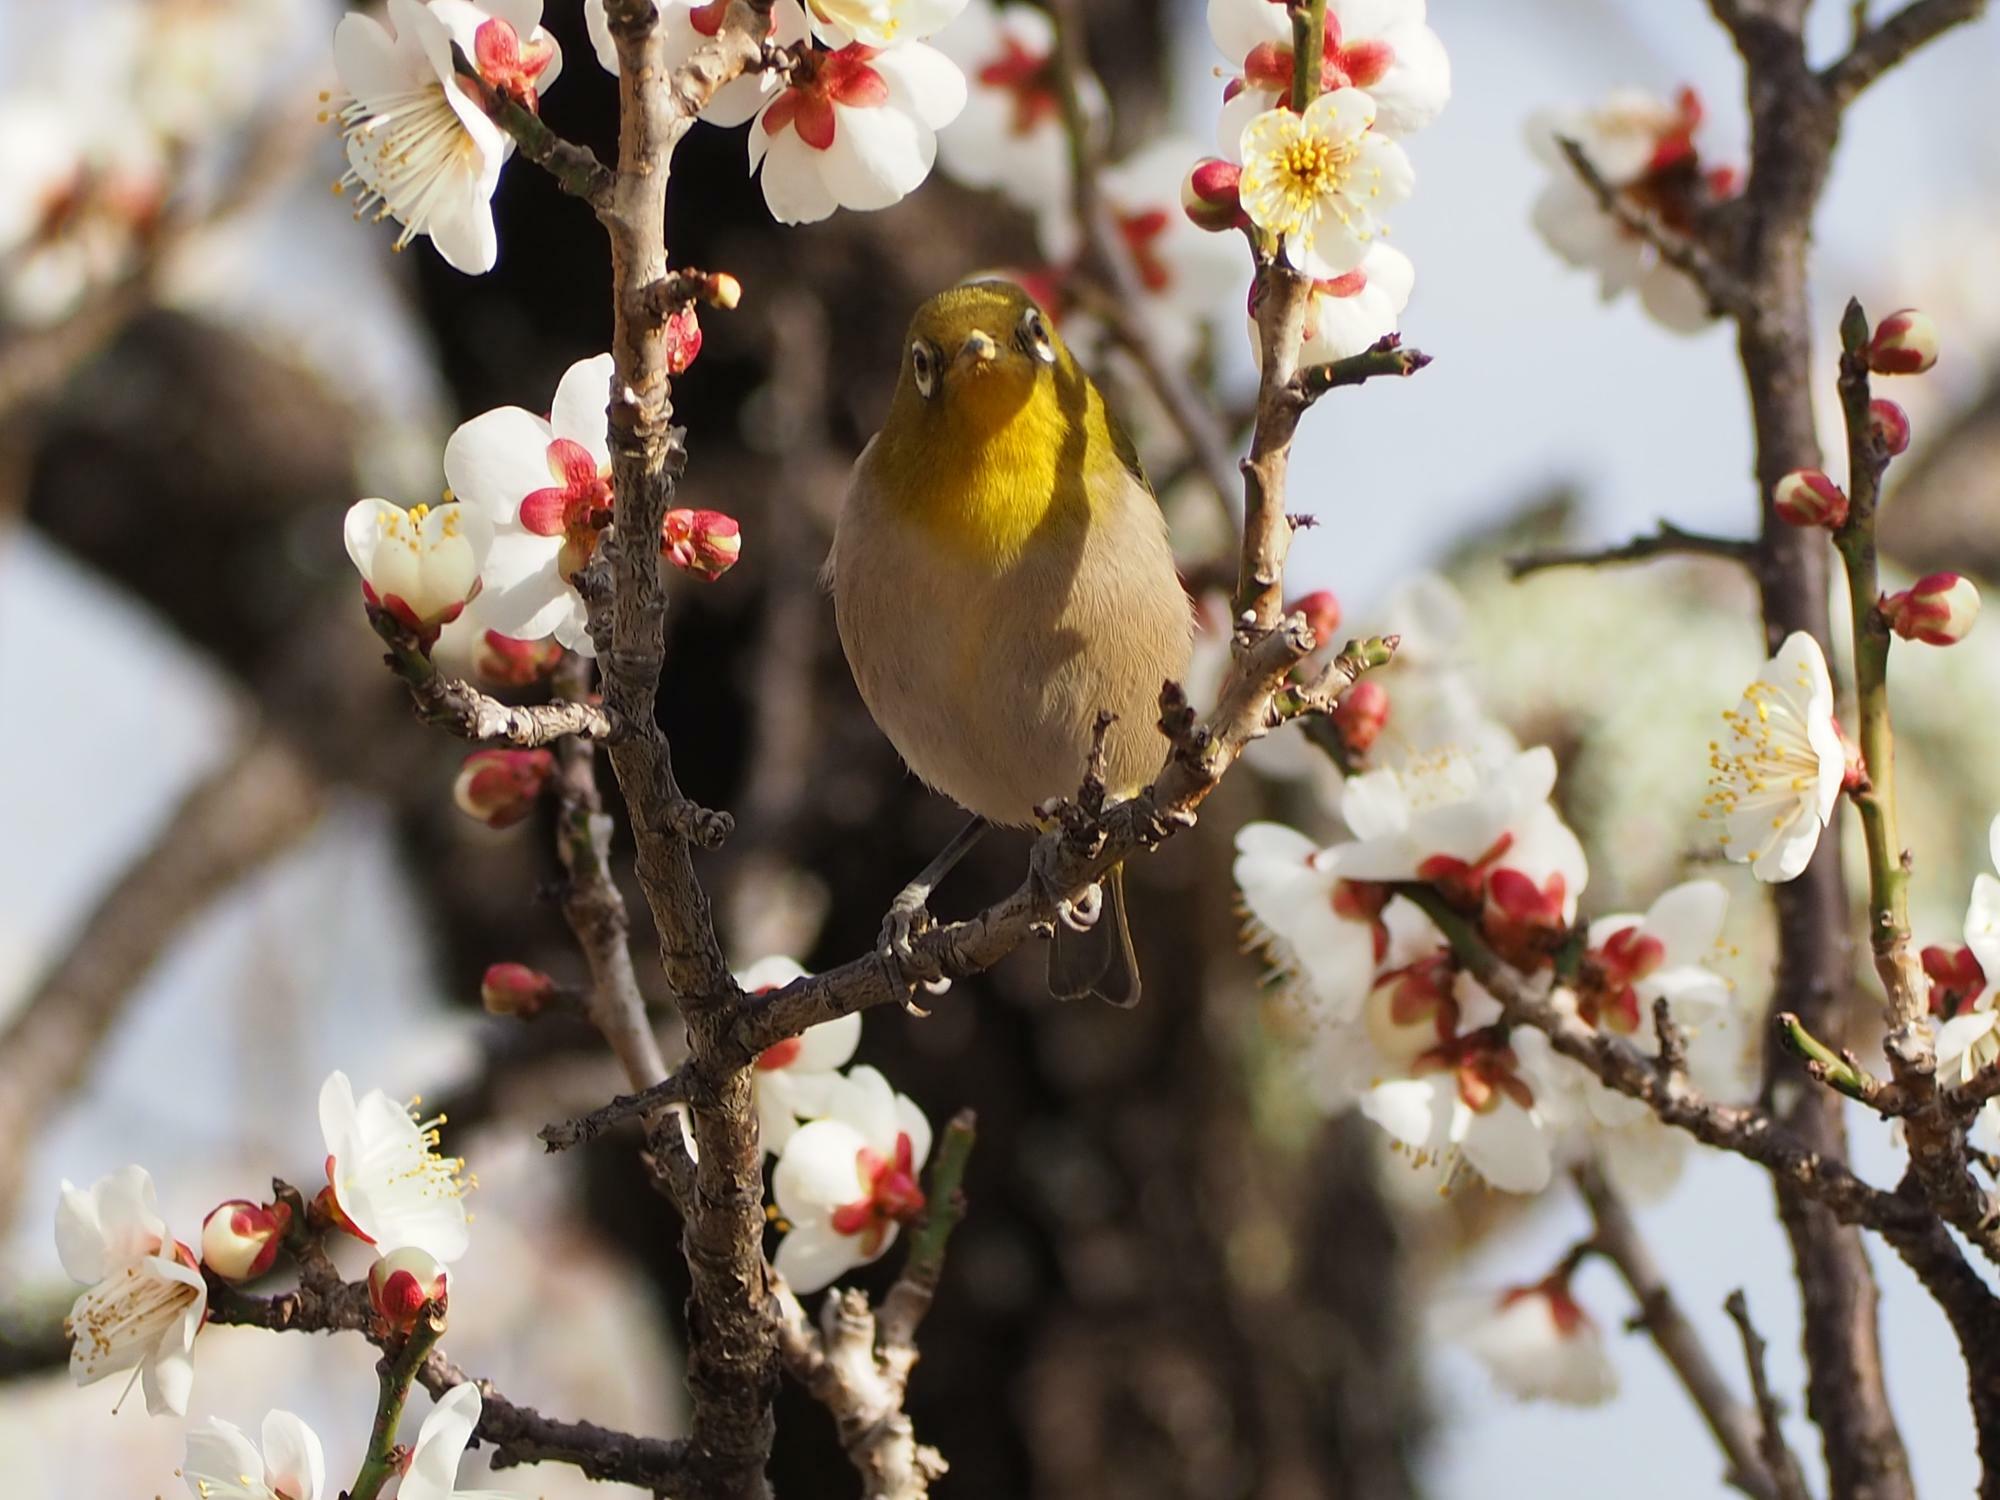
x: 1033, y: 337
x: 923, y: 366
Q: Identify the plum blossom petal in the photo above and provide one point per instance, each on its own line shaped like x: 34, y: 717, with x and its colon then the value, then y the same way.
x: 1538, y: 1344
x: 1778, y: 769
x: 385, y: 1176
x: 1318, y: 180
x: 223, y: 1464
x: 848, y: 1181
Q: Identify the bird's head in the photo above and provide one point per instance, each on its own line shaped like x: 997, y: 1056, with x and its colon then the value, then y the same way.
x: 981, y: 356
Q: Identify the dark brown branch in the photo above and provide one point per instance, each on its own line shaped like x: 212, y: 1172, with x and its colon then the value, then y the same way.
x: 1668, y: 541
x: 567, y: 1133
x: 235, y: 820
x: 575, y: 168
x: 1385, y: 357
x: 460, y: 708
x: 1880, y: 47
x: 1778, y: 1458
x: 1618, y: 1240
x: 1727, y: 292
x: 322, y: 1303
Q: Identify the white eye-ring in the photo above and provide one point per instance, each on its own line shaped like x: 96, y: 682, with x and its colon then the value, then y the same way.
x: 1033, y: 337
x: 923, y: 366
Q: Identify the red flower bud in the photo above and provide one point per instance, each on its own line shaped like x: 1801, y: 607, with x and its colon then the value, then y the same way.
x: 506, y: 662
x: 1322, y: 612
x: 1806, y: 497
x: 514, y: 990
x: 500, y: 787
x: 1937, y: 610
x: 1361, y: 714
x: 1956, y: 979
x: 1210, y: 195
x: 1905, y: 343
x: 702, y: 542
x: 1890, y: 424
x: 240, y: 1239
x: 683, y: 335
x: 402, y: 1282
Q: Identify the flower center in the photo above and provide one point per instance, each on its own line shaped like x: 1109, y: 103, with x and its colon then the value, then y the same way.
x: 576, y: 509
x: 1485, y: 1068
x: 821, y: 81
x: 405, y: 152
x: 1030, y: 78
x: 894, y: 1196
x: 1771, y: 764
x: 509, y: 67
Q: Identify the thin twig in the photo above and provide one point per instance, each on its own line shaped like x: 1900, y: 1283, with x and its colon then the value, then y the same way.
x: 1618, y: 1240
x: 460, y: 708
x: 575, y: 168
x: 1879, y: 48
x: 1668, y: 541
x: 1779, y: 1459
x: 565, y: 1134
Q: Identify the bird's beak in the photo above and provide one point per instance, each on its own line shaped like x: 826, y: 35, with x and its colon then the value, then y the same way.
x: 978, y: 350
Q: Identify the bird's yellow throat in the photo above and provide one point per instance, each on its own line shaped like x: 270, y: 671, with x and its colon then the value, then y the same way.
x: 1007, y: 453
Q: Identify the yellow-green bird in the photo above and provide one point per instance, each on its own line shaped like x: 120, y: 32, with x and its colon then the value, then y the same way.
x: 1000, y: 574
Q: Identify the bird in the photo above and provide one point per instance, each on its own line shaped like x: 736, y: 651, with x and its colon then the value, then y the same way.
x: 1001, y: 575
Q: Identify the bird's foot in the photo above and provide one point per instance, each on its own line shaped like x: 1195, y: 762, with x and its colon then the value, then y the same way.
x: 910, y: 968
x: 1079, y: 913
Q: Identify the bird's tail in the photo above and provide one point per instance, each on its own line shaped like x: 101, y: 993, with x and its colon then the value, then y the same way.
x: 1100, y: 960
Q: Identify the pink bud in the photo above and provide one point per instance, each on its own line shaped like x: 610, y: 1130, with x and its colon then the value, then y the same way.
x: 1905, y: 343
x: 683, y: 335
x: 1937, y: 610
x: 1322, y: 612
x: 515, y: 990
x: 402, y: 1282
x: 506, y: 662
x: 1890, y: 425
x: 1361, y: 714
x: 1210, y: 195
x: 1806, y: 497
x: 500, y: 787
x: 702, y: 542
x: 240, y: 1239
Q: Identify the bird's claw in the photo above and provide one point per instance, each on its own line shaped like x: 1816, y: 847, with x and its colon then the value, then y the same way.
x: 1080, y: 913
x: 909, y: 968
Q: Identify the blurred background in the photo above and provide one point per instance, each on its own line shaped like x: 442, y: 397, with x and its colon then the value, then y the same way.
x: 231, y: 854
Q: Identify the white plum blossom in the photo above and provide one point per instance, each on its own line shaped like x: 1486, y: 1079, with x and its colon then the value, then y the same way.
x: 419, y: 147
x: 1349, y: 314
x: 1186, y: 277
x: 1382, y: 47
x: 384, y: 1175
x: 422, y: 564
x: 1010, y: 136
x: 223, y: 1464
x: 854, y: 129
x: 794, y: 1080
x: 1318, y: 180
x: 146, y: 1299
x: 1472, y: 1103
x: 542, y: 484
x: 1538, y: 1343
x: 1969, y: 1040
x: 1779, y: 770
x: 1313, y: 925
x: 1643, y: 147
x: 440, y: 1448
x: 879, y: 23
x: 1632, y: 961
x: 684, y: 27
x: 1453, y: 820
x: 849, y: 1181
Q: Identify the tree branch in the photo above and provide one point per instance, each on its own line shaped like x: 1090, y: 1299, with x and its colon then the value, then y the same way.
x: 575, y: 168
x: 1778, y: 1458
x: 1879, y: 48
x: 1668, y: 541
x: 460, y: 708
x: 1618, y: 1240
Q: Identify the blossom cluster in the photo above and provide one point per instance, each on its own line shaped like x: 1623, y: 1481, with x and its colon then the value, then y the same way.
x: 146, y: 1301
x: 528, y: 498
x: 848, y: 1148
